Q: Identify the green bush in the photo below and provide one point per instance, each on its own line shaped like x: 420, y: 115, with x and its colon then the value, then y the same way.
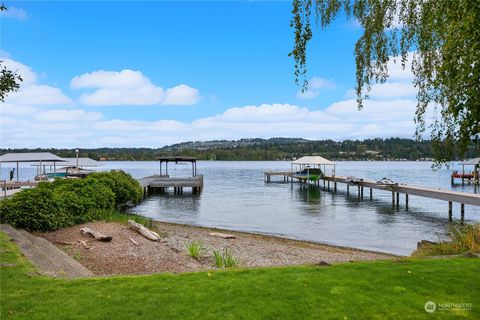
x: 66, y: 202
x: 34, y: 209
x: 122, y: 184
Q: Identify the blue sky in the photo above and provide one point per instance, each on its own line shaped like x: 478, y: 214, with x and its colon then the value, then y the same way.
x: 121, y: 73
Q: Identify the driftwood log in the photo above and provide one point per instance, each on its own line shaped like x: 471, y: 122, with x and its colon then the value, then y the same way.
x: 96, y: 234
x: 222, y: 235
x: 149, y: 234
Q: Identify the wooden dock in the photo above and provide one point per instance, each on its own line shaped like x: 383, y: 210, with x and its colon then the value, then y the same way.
x: 287, y: 175
x: 161, y: 183
x: 330, y: 182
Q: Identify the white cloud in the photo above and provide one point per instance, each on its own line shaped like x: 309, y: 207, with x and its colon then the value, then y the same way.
x: 125, y: 79
x: 14, y: 13
x: 393, y: 90
x: 15, y: 110
x: 339, y: 121
x: 38, y: 95
x: 315, y: 85
x: 68, y: 115
x: 181, y: 95
x: 31, y: 93
x: 129, y: 87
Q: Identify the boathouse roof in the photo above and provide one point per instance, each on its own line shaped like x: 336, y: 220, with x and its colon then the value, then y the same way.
x: 177, y: 159
x: 72, y: 162
x: 30, y: 157
x: 313, y: 160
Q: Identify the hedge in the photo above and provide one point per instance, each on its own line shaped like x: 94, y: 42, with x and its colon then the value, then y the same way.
x: 67, y: 202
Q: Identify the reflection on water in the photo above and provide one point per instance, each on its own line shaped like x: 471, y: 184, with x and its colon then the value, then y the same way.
x: 235, y: 196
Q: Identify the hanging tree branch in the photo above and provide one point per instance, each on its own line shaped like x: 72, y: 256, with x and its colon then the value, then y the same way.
x: 440, y: 38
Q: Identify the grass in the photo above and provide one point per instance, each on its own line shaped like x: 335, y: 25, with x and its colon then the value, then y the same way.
x: 116, y: 216
x: 463, y: 239
x: 217, y: 256
x: 366, y: 290
x: 226, y: 259
x: 194, y: 249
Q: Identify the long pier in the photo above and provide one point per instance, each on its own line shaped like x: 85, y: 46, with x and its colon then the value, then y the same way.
x: 160, y: 183
x: 463, y: 198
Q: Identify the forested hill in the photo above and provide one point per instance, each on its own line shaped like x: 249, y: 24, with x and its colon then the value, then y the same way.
x: 267, y: 149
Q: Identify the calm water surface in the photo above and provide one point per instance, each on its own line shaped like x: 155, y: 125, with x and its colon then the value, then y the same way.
x: 236, y: 197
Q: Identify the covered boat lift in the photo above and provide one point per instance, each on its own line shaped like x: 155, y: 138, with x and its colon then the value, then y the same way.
x: 77, y: 163
x: 178, y: 159
x: 40, y: 157
x: 310, y: 168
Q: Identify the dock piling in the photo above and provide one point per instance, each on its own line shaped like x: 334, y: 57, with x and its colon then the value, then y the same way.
x: 450, y: 205
x: 462, y: 213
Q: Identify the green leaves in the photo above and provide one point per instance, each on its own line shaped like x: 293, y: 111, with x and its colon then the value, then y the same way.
x: 66, y: 202
x: 445, y: 40
x: 9, y: 81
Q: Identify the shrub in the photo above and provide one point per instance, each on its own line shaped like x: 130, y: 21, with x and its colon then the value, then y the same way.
x: 194, y: 248
x: 463, y: 238
x: 59, y: 204
x: 122, y: 184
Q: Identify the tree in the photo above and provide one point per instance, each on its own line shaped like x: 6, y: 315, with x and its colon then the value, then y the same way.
x: 9, y: 80
x: 443, y: 38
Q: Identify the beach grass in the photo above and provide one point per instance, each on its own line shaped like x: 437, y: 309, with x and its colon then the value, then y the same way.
x: 362, y: 290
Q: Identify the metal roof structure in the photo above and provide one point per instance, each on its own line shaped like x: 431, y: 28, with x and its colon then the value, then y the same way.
x: 72, y: 162
x: 30, y: 157
x: 177, y: 159
x: 313, y: 160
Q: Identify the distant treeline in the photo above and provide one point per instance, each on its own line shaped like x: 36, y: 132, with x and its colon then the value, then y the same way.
x: 267, y: 149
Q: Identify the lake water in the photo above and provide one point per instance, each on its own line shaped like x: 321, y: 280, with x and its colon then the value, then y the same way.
x: 236, y: 197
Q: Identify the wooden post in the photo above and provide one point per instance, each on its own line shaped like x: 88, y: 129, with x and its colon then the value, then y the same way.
x: 348, y: 189
x: 358, y: 192
x: 449, y: 210
x: 398, y: 199
x: 371, y: 194
x: 335, y: 187
x: 329, y: 185
x: 362, y: 192
x: 406, y: 202
x: 462, y: 213
x: 393, y: 199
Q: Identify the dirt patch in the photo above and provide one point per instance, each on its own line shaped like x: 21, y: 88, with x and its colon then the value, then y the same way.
x: 122, y: 256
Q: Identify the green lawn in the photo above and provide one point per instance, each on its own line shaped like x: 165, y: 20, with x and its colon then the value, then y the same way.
x: 368, y: 290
